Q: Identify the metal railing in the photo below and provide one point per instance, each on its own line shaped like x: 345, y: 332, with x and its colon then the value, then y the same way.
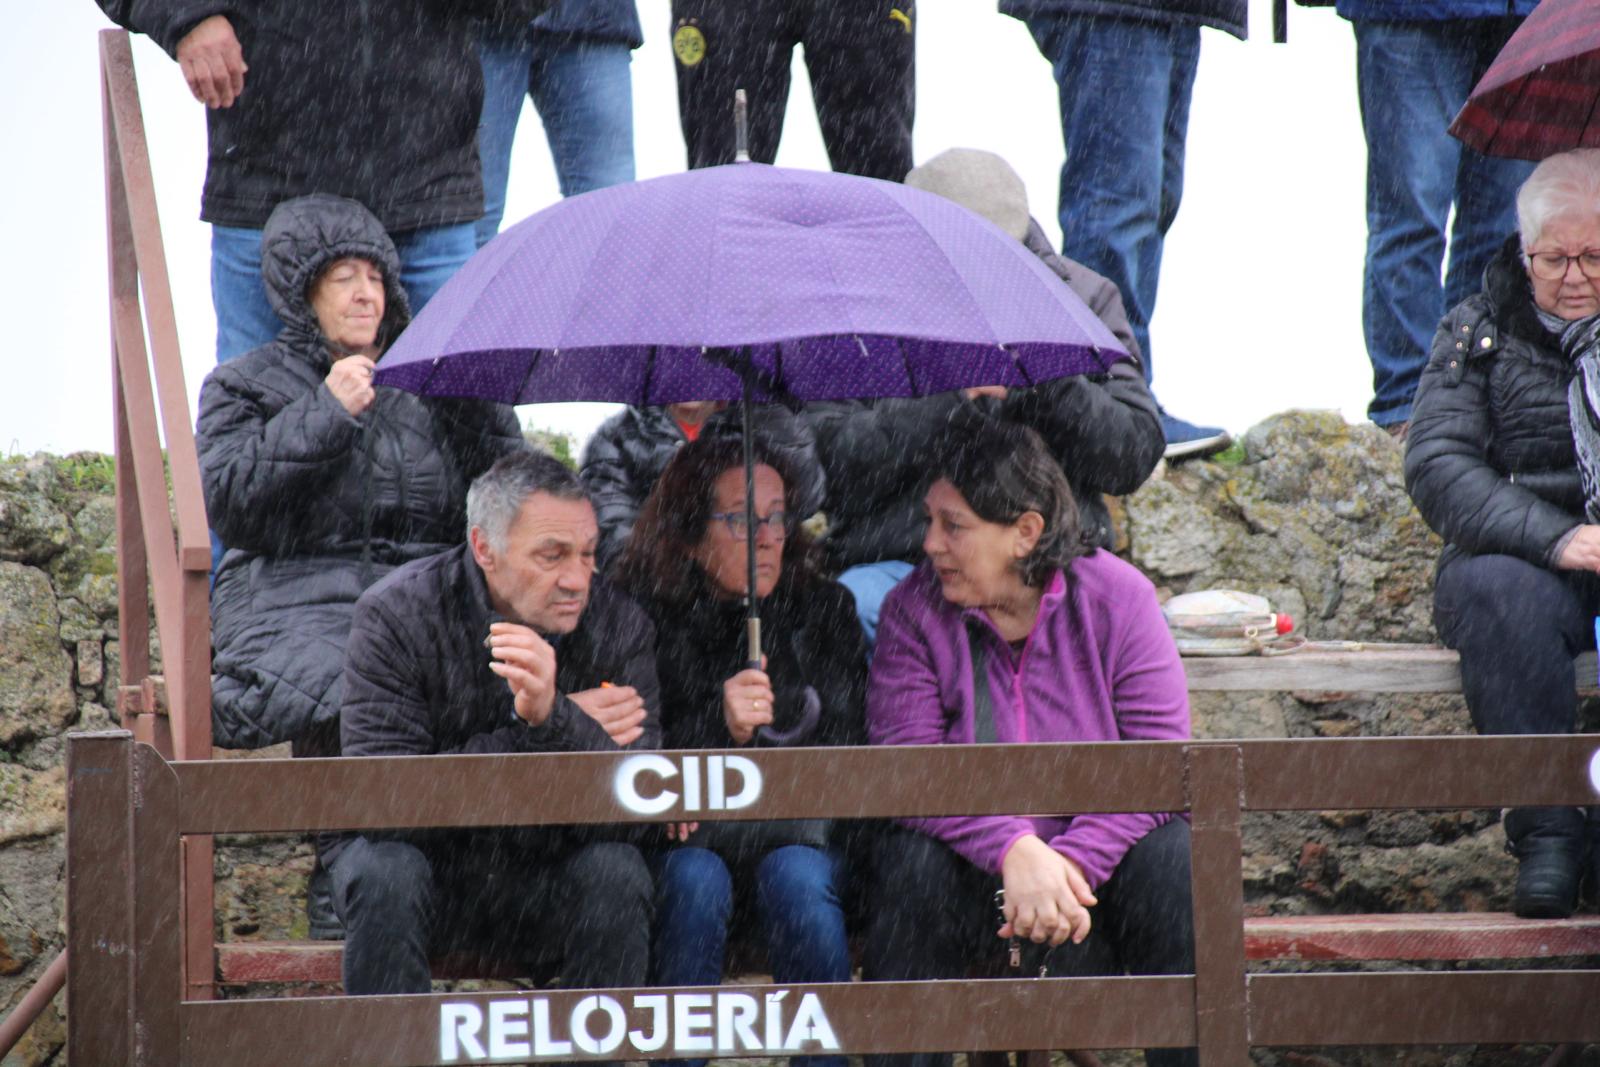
x: 128, y: 808
x: 169, y: 711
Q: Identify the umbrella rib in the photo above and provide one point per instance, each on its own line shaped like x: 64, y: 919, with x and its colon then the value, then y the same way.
x: 649, y: 372
x: 911, y: 375
x: 527, y: 376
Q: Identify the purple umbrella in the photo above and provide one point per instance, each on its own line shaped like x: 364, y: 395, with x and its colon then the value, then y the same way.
x: 747, y: 282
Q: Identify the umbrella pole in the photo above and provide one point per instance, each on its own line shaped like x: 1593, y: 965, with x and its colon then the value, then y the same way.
x: 753, y: 616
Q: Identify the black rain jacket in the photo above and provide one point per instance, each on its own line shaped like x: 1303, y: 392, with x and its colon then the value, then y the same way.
x: 811, y: 637
x: 1489, y: 456
x: 315, y: 505
x: 377, y: 100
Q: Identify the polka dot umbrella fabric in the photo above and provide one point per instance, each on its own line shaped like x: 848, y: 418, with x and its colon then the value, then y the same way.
x: 812, y: 284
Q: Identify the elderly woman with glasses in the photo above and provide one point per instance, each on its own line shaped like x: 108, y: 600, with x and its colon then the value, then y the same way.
x: 686, y: 562
x: 1503, y: 461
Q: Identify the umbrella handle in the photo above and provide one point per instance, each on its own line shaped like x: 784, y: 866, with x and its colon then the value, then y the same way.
x: 752, y: 637
x: 741, y: 127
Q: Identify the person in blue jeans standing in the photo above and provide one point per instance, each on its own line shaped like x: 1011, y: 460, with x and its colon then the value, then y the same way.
x: 1416, y: 61
x: 1125, y: 70
x: 686, y: 562
x: 574, y: 61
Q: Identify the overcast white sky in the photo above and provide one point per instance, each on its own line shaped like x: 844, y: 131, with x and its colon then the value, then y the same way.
x: 1260, y: 305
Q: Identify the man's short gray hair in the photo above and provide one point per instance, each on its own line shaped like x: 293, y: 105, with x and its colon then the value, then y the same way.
x: 1567, y: 183
x: 498, y: 493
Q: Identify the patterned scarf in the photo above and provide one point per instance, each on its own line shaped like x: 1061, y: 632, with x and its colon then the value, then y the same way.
x: 1580, y: 340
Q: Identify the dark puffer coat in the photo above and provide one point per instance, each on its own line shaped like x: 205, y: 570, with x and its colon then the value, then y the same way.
x: 1103, y: 429
x: 316, y: 505
x: 810, y: 636
x: 1489, y: 457
x: 629, y: 451
x: 1228, y: 15
x: 377, y: 100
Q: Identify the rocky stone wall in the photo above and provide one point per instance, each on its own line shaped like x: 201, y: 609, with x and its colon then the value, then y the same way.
x: 1307, y: 510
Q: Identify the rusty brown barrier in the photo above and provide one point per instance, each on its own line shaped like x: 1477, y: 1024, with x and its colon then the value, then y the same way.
x: 129, y: 808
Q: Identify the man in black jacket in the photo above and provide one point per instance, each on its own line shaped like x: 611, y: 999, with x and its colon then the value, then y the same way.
x: 378, y: 102
x: 504, y: 645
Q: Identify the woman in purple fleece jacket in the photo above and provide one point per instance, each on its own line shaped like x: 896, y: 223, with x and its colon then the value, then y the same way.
x: 1069, y: 645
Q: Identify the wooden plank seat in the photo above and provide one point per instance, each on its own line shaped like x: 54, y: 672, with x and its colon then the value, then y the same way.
x: 1347, y: 667
x: 1463, y: 936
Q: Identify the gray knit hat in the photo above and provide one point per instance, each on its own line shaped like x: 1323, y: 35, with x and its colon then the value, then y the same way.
x: 979, y: 181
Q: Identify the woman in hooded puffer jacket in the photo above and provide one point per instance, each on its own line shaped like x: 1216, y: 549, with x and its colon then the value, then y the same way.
x: 318, y: 482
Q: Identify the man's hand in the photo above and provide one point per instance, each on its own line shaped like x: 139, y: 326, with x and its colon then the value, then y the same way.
x: 528, y: 664
x: 212, y: 62
x: 747, y: 703
x: 350, y: 382
x: 617, y: 708
x: 1583, y: 550
x: 1047, y: 896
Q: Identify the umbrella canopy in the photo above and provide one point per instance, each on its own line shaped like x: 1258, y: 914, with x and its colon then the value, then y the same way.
x: 826, y: 285
x: 1541, y: 95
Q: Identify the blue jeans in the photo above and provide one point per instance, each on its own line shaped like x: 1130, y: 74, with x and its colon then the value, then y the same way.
x: 869, y: 584
x: 1413, y: 78
x: 797, y: 895
x: 245, y: 320
x: 583, y: 91
x: 1125, y: 87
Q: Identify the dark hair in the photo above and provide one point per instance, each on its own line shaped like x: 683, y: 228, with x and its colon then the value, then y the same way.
x: 1002, y: 470
x: 498, y: 493
x: 657, y: 563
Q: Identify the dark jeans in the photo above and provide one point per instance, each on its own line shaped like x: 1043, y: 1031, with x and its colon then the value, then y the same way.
x: 861, y: 59
x: 1517, y: 627
x: 587, y: 911
x: 936, y: 918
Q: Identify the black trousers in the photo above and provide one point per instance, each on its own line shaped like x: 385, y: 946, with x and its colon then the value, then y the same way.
x: 861, y: 55
x: 1517, y: 627
x: 935, y: 918
x: 587, y: 912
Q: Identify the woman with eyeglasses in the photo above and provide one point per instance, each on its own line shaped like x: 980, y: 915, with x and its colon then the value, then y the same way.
x: 1503, y: 461
x: 686, y: 563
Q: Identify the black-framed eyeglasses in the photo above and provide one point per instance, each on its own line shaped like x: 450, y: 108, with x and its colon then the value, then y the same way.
x: 1552, y: 266
x: 776, y: 523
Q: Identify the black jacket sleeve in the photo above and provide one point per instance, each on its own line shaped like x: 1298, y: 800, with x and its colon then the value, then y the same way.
x: 478, y: 432
x: 1460, y: 494
x: 1103, y: 429
x: 165, y: 22
x: 386, y: 709
x: 618, y: 646
x: 255, y: 463
x: 844, y: 658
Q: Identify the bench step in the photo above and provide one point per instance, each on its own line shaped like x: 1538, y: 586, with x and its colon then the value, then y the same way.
x: 1474, y: 936
x: 1469, y: 936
